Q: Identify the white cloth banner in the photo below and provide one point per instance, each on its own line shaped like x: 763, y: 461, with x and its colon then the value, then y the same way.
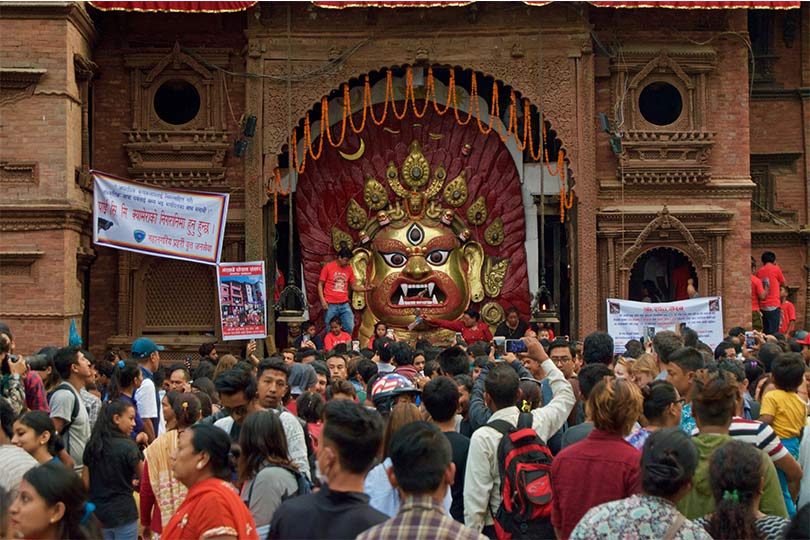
x: 179, y: 224
x: 628, y: 320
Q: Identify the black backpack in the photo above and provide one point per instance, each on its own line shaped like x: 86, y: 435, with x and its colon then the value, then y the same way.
x: 304, y: 485
x: 64, y: 432
x: 524, y: 463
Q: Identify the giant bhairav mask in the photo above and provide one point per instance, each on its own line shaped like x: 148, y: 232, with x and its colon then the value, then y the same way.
x: 427, y: 240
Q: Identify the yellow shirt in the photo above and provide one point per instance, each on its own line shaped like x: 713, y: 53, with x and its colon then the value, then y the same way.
x: 788, y: 411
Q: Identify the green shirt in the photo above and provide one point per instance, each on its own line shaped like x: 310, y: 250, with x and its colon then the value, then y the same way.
x: 700, y: 502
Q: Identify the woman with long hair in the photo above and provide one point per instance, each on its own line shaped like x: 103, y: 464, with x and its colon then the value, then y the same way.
x: 166, y: 407
x: 662, y: 409
x: 668, y: 462
x: 51, y: 504
x: 113, y: 463
x: 35, y: 433
x: 736, y: 480
x: 160, y: 492
x: 203, y: 462
x: 266, y: 474
x: 126, y: 379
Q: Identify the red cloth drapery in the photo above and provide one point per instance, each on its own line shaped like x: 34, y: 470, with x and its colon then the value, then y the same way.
x: 671, y: 4
x: 173, y: 7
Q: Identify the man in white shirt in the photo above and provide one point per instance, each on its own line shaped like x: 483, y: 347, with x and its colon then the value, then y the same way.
x: 15, y: 460
x: 482, y: 483
x: 147, y: 353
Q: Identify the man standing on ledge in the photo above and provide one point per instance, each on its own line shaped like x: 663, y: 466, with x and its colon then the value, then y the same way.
x: 333, y: 290
x: 470, y: 327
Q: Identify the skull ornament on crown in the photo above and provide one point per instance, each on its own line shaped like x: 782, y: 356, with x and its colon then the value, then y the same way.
x: 423, y: 243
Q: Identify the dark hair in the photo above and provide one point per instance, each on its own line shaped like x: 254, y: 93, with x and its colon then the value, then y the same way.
x: 665, y: 343
x: 768, y: 257
x: 355, y: 432
x: 472, y: 313
x: 479, y: 348
x: 632, y: 349
x: 261, y: 439
x: 217, y: 444
x: 105, y: 367
x: 205, y: 386
x: 402, y: 353
x: 340, y: 386
x: 40, y: 422
x: 734, y: 367
x: 767, y: 354
x: 589, y: 376
x: 668, y: 462
x: 480, y: 361
x: 788, y: 371
x: 688, y: 359
x: 344, y: 253
x: 180, y: 367
x: 104, y: 431
x: 714, y: 397
x: 753, y: 370
x: 431, y: 367
x: 799, y: 527
x: 736, y: 331
x: 465, y: 381
x: 453, y: 361
x: 440, y: 396
x: 321, y: 369
x: 658, y: 395
x: 735, y: 467
x: 720, y: 350
x: 123, y: 377
x: 531, y: 393
x: 598, y: 348
x: 378, y: 324
x: 63, y: 359
x: 206, y: 348
x: 502, y: 385
x: 55, y: 483
x: 310, y: 407
x: 366, y: 369
x: 158, y: 376
x: 690, y: 337
x: 274, y: 363
x: 205, y: 370
x: 420, y: 454
x: 234, y: 381
x: 561, y: 343
x: 7, y: 417
x: 186, y: 409
x: 206, y: 405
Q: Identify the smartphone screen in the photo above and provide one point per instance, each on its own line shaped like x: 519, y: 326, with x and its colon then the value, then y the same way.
x: 500, y: 348
x: 515, y: 346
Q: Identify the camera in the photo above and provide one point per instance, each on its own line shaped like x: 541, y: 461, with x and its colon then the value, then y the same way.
x: 37, y: 362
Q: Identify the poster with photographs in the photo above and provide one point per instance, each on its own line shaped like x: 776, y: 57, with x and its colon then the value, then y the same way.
x: 242, y: 300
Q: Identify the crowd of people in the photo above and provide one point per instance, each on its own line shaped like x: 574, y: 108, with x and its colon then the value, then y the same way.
x: 560, y: 439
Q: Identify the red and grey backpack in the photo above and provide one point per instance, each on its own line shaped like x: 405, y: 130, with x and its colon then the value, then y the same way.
x: 524, y: 462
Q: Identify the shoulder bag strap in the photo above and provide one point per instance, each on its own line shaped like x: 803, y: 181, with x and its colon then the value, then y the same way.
x: 675, y: 526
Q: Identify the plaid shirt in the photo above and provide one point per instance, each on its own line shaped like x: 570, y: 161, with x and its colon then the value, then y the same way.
x: 35, y: 397
x: 420, y: 518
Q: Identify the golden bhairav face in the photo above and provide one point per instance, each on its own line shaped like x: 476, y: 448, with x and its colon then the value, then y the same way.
x: 417, y: 265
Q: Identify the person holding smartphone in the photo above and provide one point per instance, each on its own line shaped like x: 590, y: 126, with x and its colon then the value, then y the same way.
x: 470, y: 326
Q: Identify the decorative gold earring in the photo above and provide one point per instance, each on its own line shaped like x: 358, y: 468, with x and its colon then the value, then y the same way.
x: 199, y: 466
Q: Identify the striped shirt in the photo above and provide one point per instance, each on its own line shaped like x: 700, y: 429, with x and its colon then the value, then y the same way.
x: 420, y: 518
x: 757, y: 433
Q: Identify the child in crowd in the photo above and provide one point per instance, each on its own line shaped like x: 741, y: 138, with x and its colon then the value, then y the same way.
x: 784, y: 410
x: 681, y: 369
x: 336, y: 335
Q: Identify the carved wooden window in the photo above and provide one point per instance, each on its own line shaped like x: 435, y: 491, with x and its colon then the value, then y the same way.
x: 762, y: 198
x: 761, y: 32
x: 180, y: 297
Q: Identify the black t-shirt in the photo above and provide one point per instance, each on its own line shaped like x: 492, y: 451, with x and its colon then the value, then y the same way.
x: 324, y: 515
x: 111, y: 482
x: 508, y: 333
x: 461, y: 447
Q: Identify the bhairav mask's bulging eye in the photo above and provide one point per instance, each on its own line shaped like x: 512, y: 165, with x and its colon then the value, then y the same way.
x: 438, y: 256
x: 395, y: 259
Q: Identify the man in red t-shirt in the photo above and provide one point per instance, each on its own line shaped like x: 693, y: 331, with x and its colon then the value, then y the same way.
x: 336, y: 279
x: 470, y: 327
x: 758, y: 292
x: 788, y: 321
x: 772, y: 278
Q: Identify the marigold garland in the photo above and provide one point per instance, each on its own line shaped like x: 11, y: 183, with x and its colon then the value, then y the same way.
x: 473, y: 109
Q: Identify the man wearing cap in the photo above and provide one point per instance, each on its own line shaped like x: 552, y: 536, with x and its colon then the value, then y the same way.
x: 147, y: 353
x: 805, y: 343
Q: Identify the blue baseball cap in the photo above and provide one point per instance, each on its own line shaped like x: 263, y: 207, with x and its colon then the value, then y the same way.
x: 143, y: 347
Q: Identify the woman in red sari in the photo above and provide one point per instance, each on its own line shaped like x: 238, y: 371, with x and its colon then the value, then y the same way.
x: 212, y: 509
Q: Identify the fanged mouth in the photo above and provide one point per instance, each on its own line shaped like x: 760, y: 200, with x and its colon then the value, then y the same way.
x: 418, y: 294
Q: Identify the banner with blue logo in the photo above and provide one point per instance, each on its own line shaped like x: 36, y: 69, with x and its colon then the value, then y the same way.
x: 179, y: 224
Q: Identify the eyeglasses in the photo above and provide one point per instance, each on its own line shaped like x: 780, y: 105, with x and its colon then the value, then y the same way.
x: 239, y: 410
x: 560, y: 359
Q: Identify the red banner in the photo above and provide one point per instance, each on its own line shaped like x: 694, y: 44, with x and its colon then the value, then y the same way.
x: 173, y: 7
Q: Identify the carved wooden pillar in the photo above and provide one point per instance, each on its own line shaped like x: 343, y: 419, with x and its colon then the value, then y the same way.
x: 611, y: 260
x: 718, y: 264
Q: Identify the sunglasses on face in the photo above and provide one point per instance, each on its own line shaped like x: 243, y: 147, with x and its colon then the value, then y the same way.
x: 239, y: 410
